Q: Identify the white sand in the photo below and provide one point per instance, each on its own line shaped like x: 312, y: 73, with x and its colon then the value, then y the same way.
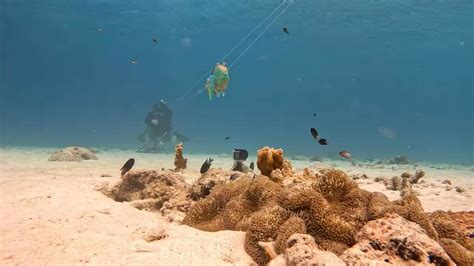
x: 50, y: 212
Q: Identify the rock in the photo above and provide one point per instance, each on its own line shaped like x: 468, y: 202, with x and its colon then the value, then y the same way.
x: 73, y: 154
x: 446, y: 182
x: 316, y: 158
x: 399, y: 160
x: 379, y: 179
x: 302, y: 250
x: 299, y: 158
x: 155, y: 234
x: 149, y: 190
x: 394, y: 240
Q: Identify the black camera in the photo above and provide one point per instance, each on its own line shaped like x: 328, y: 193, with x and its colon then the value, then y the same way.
x: 240, y: 155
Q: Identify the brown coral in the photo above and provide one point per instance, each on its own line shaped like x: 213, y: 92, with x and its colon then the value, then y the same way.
x: 179, y: 161
x: 269, y: 159
x: 460, y: 255
x: 263, y: 227
x: 334, y: 185
x: 294, y: 225
x: 447, y: 228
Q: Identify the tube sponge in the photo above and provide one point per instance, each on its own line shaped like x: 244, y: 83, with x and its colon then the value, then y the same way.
x: 269, y: 159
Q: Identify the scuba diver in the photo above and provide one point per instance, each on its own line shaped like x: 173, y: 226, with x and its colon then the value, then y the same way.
x: 159, y: 129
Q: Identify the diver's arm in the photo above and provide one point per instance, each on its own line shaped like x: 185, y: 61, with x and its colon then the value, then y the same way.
x: 148, y: 118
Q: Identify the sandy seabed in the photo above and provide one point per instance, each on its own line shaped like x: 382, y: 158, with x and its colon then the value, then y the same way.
x: 51, y: 212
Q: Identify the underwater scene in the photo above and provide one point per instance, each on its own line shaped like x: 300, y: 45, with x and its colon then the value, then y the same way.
x: 205, y: 132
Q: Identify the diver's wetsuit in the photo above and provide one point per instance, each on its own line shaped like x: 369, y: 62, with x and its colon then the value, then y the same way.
x: 159, y: 122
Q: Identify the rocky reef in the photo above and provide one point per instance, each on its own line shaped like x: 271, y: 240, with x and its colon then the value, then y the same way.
x: 73, y: 154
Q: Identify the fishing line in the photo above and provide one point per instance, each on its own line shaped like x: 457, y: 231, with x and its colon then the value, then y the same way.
x: 232, y: 50
x: 260, y: 35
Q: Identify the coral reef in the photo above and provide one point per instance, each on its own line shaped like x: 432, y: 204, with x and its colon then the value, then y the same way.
x: 300, y: 249
x: 73, y: 154
x: 394, y: 240
x: 269, y: 159
x: 179, y: 161
x: 327, y: 205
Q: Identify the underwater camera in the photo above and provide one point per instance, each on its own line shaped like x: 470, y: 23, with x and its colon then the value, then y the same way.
x: 240, y: 155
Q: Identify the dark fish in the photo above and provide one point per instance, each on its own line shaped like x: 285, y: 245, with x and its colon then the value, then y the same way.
x: 286, y: 31
x: 252, y: 166
x: 234, y: 176
x: 206, y: 165
x: 227, y: 138
x: 314, y: 114
x: 127, y: 166
x: 345, y: 154
x: 323, y: 141
x: 155, y: 40
x: 314, y: 133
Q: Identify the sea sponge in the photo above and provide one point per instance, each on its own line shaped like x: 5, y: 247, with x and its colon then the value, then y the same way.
x: 334, y: 185
x: 269, y: 159
x: 294, y: 225
x: 179, y: 161
x: 459, y: 254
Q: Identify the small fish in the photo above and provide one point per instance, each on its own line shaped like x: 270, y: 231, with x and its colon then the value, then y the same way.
x: 155, y: 40
x: 227, y: 138
x: 314, y: 133
x: 286, y: 31
x: 133, y: 62
x: 99, y: 29
x: 323, y: 141
x: 234, y: 176
x: 252, y: 166
x: 345, y: 154
x: 206, y: 165
x: 127, y: 166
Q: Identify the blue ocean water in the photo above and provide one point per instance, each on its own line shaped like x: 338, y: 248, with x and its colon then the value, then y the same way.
x: 383, y: 77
